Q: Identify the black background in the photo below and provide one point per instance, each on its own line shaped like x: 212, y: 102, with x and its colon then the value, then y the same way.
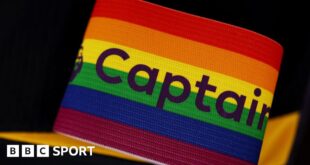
x: 40, y: 39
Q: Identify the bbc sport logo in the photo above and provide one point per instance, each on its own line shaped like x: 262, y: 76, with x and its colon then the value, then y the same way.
x: 45, y: 151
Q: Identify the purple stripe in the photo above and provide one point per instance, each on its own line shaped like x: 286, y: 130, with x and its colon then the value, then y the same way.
x: 136, y: 141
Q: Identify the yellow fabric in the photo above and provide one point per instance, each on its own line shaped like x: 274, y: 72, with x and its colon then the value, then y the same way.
x: 278, y: 140
x: 279, y: 137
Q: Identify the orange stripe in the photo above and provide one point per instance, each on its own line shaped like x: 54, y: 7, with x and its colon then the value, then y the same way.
x: 183, y: 50
x: 200, y: 29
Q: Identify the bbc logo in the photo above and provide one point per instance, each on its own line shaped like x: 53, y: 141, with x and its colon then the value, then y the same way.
x: 14, y: 151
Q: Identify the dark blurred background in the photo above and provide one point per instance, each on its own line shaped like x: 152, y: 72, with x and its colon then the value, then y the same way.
x: 39, y: 40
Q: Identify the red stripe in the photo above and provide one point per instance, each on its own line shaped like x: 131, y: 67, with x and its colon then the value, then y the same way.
x: 136, y: 141
x: 193, y: 27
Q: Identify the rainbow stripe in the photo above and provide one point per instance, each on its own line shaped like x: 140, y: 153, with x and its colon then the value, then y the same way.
x: 121, y: 117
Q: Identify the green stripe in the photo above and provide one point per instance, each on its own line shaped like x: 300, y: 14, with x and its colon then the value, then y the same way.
x: 88, y: 78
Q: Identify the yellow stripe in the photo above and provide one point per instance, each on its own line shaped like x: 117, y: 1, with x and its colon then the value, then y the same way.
x: 54, y: 139
x: 180, y: 49
x: 93, y: 48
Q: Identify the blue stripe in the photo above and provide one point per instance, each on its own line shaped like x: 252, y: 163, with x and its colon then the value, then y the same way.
x: 162, y: 122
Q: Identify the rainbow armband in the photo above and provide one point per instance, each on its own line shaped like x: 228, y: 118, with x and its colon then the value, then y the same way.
x: 170, y: 87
